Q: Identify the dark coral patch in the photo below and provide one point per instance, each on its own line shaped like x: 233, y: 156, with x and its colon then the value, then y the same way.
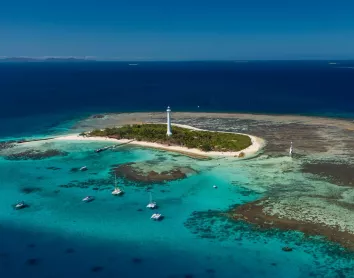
x: 97, y: 269
x: 98, y: 116
x: 7, y: 145
x: 29, y: 190
x: 340, y: 174
x: 132, y: 172
x: 70, y: 250
x: 35, y: 154
x: 137, y: 260
x: 32, y: 261
x: 53, y: 168
x: 96, y: 184
x: 253, y: 213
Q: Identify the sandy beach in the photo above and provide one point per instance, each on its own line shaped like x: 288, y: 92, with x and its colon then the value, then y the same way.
x: 251, y: 151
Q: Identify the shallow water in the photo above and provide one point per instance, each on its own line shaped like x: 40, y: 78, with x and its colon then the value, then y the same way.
x: 58, y: 235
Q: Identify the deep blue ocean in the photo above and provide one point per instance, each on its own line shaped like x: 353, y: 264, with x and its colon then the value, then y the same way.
x: 58, y: 235
x: 38, y: 96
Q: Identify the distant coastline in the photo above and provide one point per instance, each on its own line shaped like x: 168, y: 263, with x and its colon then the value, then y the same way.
x: 45, y: 59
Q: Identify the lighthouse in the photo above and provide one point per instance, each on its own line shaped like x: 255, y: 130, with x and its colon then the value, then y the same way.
x: 169, y: 133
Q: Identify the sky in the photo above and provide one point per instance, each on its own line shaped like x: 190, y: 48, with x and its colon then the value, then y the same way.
x: 178, y: 30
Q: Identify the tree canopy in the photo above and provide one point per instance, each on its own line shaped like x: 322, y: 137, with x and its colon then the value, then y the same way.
x: 203, y: 140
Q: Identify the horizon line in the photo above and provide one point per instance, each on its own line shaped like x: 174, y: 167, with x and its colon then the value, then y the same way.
x: 101, y: 59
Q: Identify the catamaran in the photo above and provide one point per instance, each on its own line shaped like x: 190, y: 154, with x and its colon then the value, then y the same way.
x: 157, y: 216
x: 151, y: 204
x: 20, y: 205
x: 88, y: 199
x: 116, y: 191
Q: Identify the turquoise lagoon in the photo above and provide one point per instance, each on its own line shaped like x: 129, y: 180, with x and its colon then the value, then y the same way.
x: 59, y: 236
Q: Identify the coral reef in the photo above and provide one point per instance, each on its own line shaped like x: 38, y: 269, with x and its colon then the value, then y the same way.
x: 35, y: 154
x: 132, y: 172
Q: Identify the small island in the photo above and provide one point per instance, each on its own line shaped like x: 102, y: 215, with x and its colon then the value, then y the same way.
x: 179, y: 138
x: 206, y: 141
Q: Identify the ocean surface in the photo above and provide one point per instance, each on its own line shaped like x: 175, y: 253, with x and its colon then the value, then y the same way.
x: 59, y: 236
x: 36, y: 97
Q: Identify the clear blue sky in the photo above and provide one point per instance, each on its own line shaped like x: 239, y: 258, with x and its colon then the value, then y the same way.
x: 178, y: 30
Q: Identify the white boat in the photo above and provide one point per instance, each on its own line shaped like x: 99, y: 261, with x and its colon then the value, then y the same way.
x: 116, y: 191
x: 157, y: 216
x: 151, y: 204
x: 101, y: 149
x: 84, y: 168
x: 291, y: 149
x: 214, y: 186
x: 20, y: 205
x: 88, y: 199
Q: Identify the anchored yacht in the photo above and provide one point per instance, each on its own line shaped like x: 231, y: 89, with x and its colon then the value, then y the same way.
x: 117, y: 190
x: 157, y: 216
x: 88, y: 199
x: 20, y: 205
x: 151, y: 204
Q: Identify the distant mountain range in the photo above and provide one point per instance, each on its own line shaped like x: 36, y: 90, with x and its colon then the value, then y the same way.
x: 48, y: 59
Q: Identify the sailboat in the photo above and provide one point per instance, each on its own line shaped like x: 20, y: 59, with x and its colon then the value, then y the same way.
x: 116, y: 190
x: 151, y: 204
x: 156, y: 216
x: 88, y: 199
x: 291, y: 149
x: 84, y: 168
x: 21, y: 205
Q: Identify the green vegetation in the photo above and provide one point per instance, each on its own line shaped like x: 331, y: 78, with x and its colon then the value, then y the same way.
x: 203, y: 140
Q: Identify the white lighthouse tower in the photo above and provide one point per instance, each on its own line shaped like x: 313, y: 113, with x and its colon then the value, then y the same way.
x: 169, y: 133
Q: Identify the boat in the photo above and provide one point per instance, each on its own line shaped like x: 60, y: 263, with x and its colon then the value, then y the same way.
x: 151, y: 204
x: 101, y: 149
x: 291, y: 149
x: 84, y: 168
x: 117, y: 190
x: 157, y: 216
x: 20, y: 205
x: 287, y: 249
x: 88, y: 199
x: 214, y: 186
